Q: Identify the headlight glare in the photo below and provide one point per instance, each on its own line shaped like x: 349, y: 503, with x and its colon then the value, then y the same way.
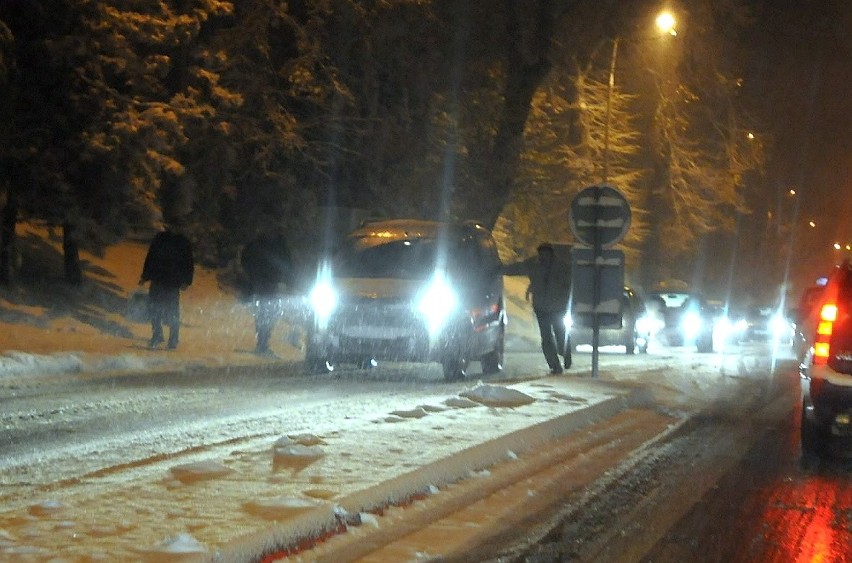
x: 649, y: 324
x: 437, y: 302
x: 691, y: 325
x: 779, y: 326
x: 323, y: 297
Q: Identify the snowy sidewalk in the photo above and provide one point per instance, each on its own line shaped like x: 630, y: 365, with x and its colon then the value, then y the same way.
x: 237, y: 501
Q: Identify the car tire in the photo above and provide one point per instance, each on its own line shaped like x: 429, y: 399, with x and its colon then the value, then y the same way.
x: 455, y: 369
x: 630, y: 342
x: 366, y: 363
x: 812, y: 438
x: 316, y: 364
x: 492, y: 362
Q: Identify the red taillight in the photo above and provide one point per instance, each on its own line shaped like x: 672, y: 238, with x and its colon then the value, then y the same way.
x: 828, y: 312
x: 822, y: 344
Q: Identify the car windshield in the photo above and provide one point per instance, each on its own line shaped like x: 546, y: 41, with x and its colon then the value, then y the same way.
x: 672, y: 300
x: 410, y: 259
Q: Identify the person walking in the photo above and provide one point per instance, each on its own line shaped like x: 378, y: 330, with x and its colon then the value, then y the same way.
x: 266, y: 262
x: 169, y: 266
x: 550, y: 287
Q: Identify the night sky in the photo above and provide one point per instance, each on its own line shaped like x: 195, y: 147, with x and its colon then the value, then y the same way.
x: 803, y: 71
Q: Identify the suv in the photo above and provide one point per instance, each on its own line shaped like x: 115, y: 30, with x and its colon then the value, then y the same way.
x: 684, y: 318
x: 633, y: 334
x: 825, y: 354
x: 410, y: 290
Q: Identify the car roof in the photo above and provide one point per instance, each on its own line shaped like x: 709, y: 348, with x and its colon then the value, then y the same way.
x: 402, y: 229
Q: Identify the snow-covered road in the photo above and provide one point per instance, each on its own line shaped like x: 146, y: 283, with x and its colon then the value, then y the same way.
x: 117, y: 465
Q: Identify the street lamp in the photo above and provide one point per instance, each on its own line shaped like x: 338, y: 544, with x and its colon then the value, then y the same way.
x: 665, y: 24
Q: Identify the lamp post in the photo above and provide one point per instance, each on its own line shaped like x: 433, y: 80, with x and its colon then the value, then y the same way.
x: 665, y: 24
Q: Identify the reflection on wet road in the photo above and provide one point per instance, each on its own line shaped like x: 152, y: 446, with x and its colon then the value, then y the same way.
x: 772, y: 506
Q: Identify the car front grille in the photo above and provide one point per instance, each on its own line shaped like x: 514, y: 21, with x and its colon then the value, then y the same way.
x: 376, y: 313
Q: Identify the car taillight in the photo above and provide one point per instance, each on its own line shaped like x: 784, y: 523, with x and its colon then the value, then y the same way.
x: 822, y: 344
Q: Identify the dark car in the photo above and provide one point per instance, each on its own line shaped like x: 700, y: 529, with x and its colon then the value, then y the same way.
x: 683, y: 318
x: 410, y: 290
x: 633, y: 334
x: 764, y: 324
x: 826, y: 363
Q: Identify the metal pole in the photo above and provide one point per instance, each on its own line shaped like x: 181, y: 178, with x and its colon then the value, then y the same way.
x: 597, y: 247
x: 596, y: 278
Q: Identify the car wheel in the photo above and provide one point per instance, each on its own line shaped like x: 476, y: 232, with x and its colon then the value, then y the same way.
x: 366, y: 363
x: 812, y: 438
x: 630, y: 338
x: 455, y: 369
x: 316, y: 364
x: 492, y: 362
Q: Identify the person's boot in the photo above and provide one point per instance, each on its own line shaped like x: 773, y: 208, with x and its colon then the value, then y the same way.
x: 156, y: 338
x: 173, y: 338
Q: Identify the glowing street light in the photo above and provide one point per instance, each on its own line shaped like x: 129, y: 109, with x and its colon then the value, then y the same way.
x: 665, y: 24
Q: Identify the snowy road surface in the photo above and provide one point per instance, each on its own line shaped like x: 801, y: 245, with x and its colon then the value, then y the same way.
x: 234, y: 463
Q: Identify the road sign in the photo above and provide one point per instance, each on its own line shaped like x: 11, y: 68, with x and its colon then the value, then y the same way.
x: 605, y: 307
x: 599, y: 216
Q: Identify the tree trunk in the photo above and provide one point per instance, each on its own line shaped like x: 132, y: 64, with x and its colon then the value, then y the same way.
x: 8, y: 220
x: 528, y: 62
x: 71, y: 255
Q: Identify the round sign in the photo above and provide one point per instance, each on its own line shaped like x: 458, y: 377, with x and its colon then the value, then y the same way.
x: 599, y: 215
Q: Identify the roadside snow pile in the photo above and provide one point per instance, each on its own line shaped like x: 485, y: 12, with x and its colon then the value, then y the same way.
x: 296, y: 451
x: 182, y: 547
x: 279, y: 508
x: 15, y: 363
x: 496, y: 396
x: 200, y: 471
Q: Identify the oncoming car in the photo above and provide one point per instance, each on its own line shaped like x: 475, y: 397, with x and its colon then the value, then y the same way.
x: 684, y: 319
x: 767, y: 324
x: 825, y: 356
x: 410, y: 291
x: 633, y: 334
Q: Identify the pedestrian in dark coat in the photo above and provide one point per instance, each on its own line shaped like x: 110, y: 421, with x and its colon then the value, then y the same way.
x: 169, y: 266
x: 550, y: 288
x: 267, y: 264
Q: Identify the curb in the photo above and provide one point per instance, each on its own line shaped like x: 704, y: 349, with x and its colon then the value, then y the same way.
x: 310, y: 528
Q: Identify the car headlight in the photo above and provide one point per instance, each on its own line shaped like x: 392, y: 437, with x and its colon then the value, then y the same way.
x: 779, y: 326
x: 724, y: 328
x: 691, y: 325
x: 437, y: 302
x: 323, y: 298
x: 649, y: 324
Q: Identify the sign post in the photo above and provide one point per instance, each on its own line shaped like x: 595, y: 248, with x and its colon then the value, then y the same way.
x: 599, y: 217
